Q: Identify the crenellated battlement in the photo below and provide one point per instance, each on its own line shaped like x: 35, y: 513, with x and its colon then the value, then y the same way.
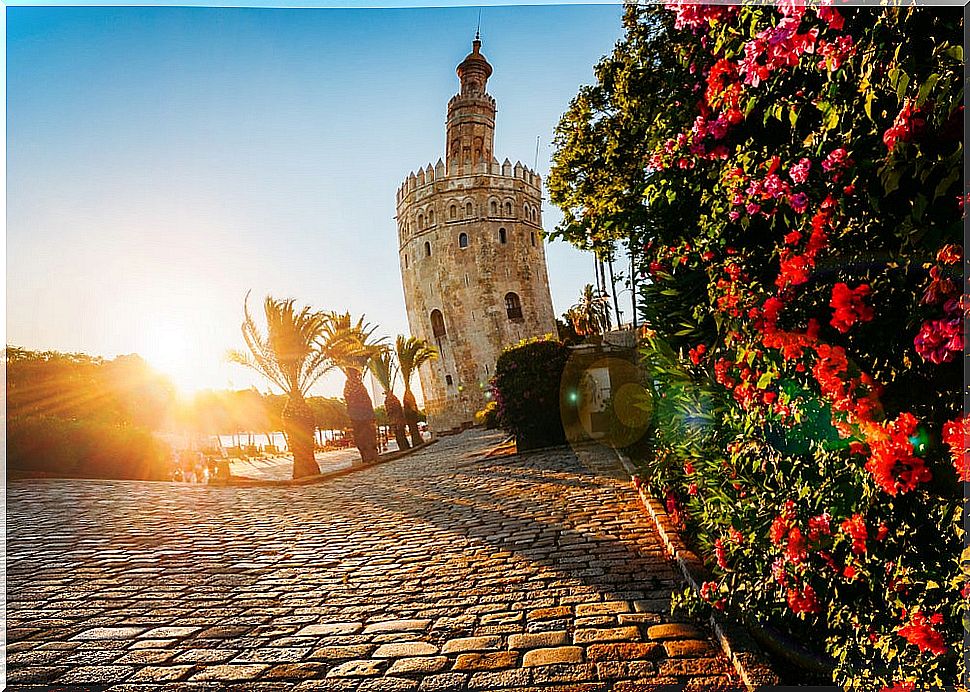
x: 459, y: 99
x: 426, y: 176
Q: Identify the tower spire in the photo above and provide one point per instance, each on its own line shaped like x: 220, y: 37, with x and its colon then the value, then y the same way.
x: 478, y: 29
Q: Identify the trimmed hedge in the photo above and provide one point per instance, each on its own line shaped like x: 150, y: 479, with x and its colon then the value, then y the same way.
x: 526, y: 388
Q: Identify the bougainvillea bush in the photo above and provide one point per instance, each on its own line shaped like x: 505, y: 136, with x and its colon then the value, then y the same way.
x: 791, y: 180
x: 526, y: 391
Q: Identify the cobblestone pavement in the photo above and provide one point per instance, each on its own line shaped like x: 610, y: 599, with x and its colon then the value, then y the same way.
x: 444, y: 570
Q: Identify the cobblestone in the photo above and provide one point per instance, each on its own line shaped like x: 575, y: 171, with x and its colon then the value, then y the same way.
x: 445, y: 570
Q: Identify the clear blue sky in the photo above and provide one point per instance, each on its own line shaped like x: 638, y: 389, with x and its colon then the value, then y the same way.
x: 163, y: 161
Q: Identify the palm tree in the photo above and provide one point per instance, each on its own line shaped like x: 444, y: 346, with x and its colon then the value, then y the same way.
x: 412, y: 353
x: 350, y: 346
x: 287, y: 356
x: 591, y: 315
x: 384, y: 368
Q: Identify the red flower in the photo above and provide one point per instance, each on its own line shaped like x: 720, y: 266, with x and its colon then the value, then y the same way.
x: 803, y: 600
x: 779, y: 529
x: 906, y: 124
x: 819, y: 526
x: 950, y: 254
x: 721, y: 554
x: 955, y: 436
x: 893, y: 466
x: 697, y: 353
x: 795, y: 551
x: 849, y: 572
x: 849, y: 306
x: 900, y: 686
x: 920, y: 632
x: 940, y: 288
x: 794, y: 269
x: 855, y: 527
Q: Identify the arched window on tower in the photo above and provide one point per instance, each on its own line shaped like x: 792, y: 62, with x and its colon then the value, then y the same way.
x: 508, y: 209
x: 427, y: 249
x: 493, y: 208
x: 503, y: 236
x: 431, y: 217
x: 468, y: 209
x: 533, y: 238
x: 438, y: 324
x: 463, y: 240
x: 453, y: 212
x: 420, y: 221
x: 513, y: 306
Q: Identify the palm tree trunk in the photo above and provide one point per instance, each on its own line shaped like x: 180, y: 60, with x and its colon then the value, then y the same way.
x: 360, y: 409
x: 298, y: 424
x: 395, y: 416
x: 616, y: 301
x: 411, y: 417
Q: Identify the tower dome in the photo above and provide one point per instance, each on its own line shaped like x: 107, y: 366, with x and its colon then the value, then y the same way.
x: 474, y: 70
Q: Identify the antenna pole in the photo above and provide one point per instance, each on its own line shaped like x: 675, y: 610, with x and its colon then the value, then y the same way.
x: 536, y: 164
x: 478, y: 29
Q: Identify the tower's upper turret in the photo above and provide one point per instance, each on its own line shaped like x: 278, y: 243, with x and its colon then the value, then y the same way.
x: 471, y: 114
x: 474, y: 70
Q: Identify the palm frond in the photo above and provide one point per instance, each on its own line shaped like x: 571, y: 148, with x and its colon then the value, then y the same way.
x: 286, y: 353
x: 412, y: 353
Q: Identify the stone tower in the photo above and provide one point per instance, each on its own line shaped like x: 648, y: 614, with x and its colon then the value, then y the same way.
x: 472, y: 259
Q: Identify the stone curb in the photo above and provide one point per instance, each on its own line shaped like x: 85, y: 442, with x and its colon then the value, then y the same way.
x: 311, y: 480
x: 748, y: 659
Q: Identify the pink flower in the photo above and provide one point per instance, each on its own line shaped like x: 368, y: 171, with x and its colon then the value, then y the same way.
x: 799, y: 172
x: 835, y: 53
x: 837, y: 159
x: 799, y: 202
x: 940, y: 341
x: 830, y: 15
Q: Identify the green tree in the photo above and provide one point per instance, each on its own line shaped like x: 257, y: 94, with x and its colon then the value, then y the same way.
x: 286, y: 354
x: 412, y: 353
x: 385, y: 369
x: 350, y: 346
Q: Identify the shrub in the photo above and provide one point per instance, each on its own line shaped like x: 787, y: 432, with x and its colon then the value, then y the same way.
x: 488, y: 416
x: 526, y: 387
x: 85, y: 449
x: 804, y: 202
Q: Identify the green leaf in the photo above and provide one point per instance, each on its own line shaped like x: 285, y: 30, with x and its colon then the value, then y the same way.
x: 902, y: 84
x: 926, y: 88
x: 955, y: 52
